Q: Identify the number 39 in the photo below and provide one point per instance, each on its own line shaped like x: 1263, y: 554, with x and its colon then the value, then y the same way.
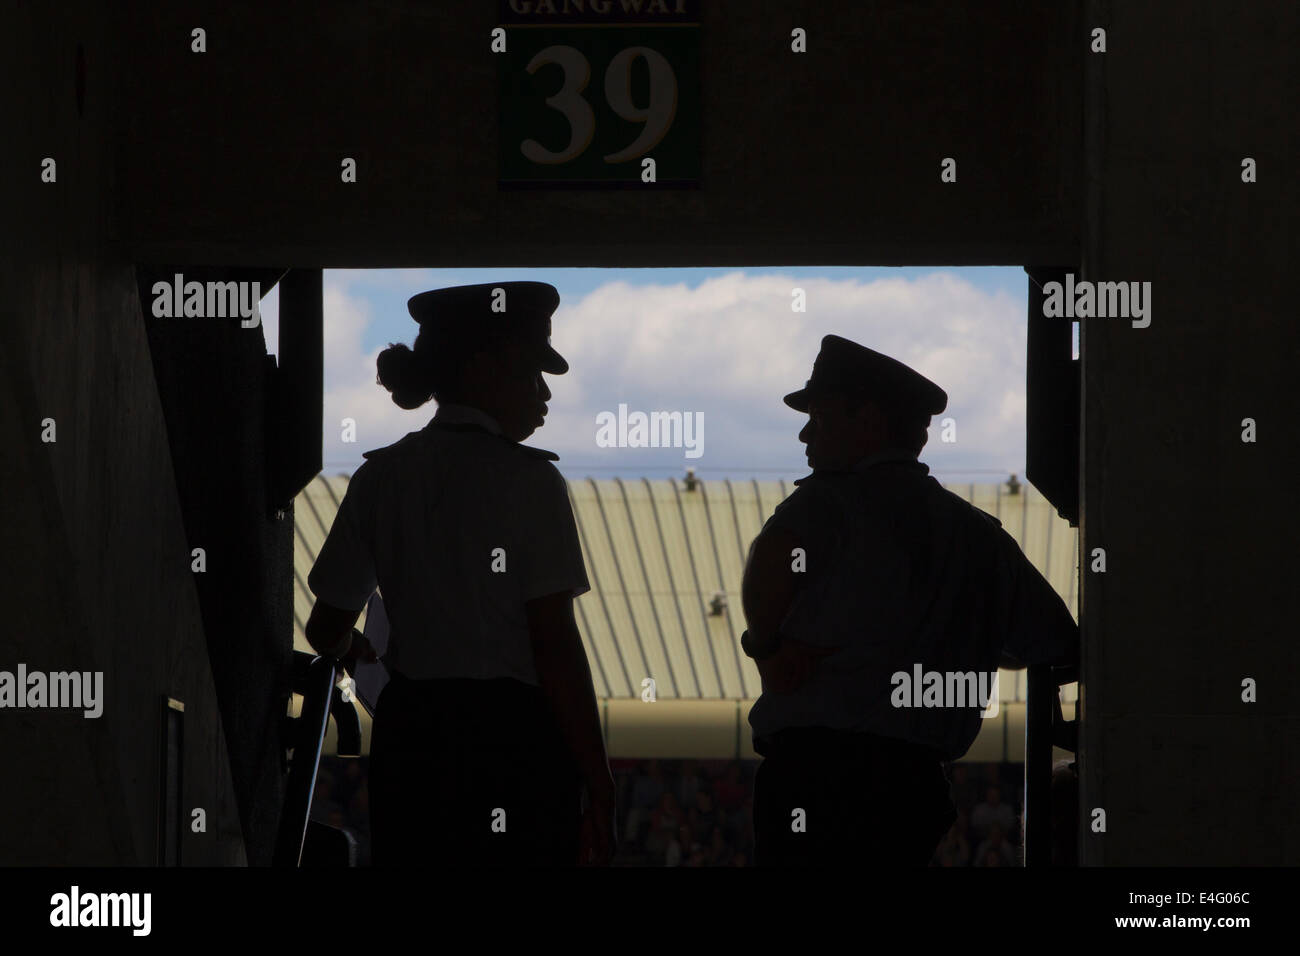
x: 657, y: 115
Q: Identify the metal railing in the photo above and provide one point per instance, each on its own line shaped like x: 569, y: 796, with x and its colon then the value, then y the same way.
x: 314, y: 678
x: 1045, y: 727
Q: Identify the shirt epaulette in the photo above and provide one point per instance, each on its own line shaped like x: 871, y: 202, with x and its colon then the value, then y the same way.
x: 380, y: 451
x: 539, y: 453
x: 474, y: 427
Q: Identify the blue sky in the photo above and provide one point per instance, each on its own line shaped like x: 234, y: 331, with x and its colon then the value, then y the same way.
x: 723, y: 343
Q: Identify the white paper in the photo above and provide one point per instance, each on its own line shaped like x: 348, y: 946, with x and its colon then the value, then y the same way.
x: 371, y: 678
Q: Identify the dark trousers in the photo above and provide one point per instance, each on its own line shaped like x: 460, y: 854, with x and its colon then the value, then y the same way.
x: 470, y: 773
x: 866, y: 800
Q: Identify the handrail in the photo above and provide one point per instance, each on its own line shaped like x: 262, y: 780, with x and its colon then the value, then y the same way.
x: 1044, y: 727
x: 317, y: 688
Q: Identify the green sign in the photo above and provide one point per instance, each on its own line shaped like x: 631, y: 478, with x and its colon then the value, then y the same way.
x: 590, y: 91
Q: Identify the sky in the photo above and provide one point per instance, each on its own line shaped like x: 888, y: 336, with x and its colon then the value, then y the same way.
x: 721, y: 343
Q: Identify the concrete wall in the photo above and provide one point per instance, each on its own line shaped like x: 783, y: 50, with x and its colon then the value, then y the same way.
x: 828, y: 157
x: 213, y: 379
x: 1198, y: 529
x: 96, y: 564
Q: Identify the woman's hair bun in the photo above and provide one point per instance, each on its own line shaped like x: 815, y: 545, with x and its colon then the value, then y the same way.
x: 402, y: 373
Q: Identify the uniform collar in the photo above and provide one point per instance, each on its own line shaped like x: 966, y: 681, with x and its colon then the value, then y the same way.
x: 880, y: 458
x: 889, y: 454
x: 466, y: 415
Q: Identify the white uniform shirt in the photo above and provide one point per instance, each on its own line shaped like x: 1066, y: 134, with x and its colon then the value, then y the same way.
x: 424, y: 518
x: 903, y: 572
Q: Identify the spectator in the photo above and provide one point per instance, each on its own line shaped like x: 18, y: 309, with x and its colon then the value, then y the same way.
x: 704, y: 807
x: 664, y: 823
x: 717, y: 852
x: 693, y: 818
x: 991, y: 811
x: 962, y: 788
x: 995, y: 846
x: 954, y: 849
x: 645, y: 787
x: 649, y: 786
x: 687, y: 785
x: 681, y: 846
x: 729, y: 789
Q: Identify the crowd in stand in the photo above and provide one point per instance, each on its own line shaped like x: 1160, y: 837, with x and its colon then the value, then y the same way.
x: 700, y: 812
x: 987, y: 829
x: 685, y: 812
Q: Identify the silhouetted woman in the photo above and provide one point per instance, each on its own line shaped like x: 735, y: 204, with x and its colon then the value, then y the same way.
x: 486, y: 741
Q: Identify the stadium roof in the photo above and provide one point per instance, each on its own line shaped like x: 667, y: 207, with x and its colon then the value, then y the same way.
x: 665, y: 559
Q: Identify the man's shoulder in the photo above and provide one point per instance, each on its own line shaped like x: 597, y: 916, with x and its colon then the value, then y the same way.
x: 813, y: 495
x: 538, y: 454
x: 959, y: 508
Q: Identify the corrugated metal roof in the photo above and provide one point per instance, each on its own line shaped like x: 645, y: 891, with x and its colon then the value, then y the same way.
x: 657, y: 554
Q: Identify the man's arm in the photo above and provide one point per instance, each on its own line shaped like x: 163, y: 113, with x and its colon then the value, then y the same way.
x: 1009, y: 662
x: 769, y: 585
x: 768, y: 591
x: 1042, y: 629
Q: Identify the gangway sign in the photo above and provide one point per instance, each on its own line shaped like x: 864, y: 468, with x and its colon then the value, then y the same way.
x: 589, y: 90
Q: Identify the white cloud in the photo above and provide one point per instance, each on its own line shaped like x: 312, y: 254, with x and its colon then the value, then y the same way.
x: 350, y: 389
x: 730, y: 348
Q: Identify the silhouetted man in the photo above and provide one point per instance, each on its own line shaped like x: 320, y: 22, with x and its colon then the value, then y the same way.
x: 868, y: 577
x: 487, y: 734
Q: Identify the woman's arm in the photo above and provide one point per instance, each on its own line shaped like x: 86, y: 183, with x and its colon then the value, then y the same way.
x: 329, y: 629
x: 565, y: 678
